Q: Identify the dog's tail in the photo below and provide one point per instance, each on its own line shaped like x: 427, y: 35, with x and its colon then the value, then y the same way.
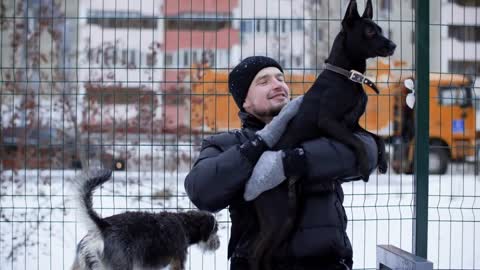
x: 90, y: 182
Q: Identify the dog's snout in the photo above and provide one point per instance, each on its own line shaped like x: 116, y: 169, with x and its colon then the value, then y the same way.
x: 212, y: 243
x: 391, y: 46
x: 215, y: 242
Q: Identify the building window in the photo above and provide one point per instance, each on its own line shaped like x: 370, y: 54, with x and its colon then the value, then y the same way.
x: 275, y: 26
x: 151, y: 59
x: 298, y: 61
x: 121, y: 19
x: 113, y: 56
x: 196, y: 24
x: 464, y: 67
x: 120, y: 95
x: 298, y: 25
x: 109, y: 57
x: 195, y: 57
x: 469, y: 3
x: 464, y: 32
x: 186, y: 59
x: 246, y: 26
x: 219, y: 55
x: 284, y: 26
x: 386, y: 5
x: 124, y: 59
x: 132, y: 63
x: 169, y: 60
x: 319, y: 34
x: 451, y: 96
x: 260, y: 25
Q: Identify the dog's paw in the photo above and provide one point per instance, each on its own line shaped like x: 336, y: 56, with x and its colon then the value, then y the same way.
x: 364, y: 169
x: 382, y: 163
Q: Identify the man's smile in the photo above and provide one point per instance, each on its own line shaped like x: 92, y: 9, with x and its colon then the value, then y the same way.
x: 278, y: 95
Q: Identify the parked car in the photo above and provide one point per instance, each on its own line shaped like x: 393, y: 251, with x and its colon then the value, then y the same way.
x: 37, y: 148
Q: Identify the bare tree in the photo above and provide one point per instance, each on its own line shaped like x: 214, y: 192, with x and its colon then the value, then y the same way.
x: 35, y: 67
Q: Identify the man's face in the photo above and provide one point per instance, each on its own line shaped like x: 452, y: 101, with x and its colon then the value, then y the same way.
x: 267, y: 94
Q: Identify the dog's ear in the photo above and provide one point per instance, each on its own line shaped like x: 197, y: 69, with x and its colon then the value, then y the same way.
x: 351, y: 14
x: 368, y: 13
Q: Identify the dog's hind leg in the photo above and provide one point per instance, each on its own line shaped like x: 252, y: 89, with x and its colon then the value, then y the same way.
x: 178, y: 260
x: 382, y: 153
x: 76, y: 265
x: 178, y: 264
x: 334, y: 129
x: 89, y: 252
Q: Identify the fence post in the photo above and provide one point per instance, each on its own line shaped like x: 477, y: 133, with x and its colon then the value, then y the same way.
x: 422, y: 64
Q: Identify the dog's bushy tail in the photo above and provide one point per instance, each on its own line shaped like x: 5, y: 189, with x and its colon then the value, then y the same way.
x: 90, y: 181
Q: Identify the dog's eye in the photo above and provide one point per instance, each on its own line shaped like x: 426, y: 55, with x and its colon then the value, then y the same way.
x: 370, y: 32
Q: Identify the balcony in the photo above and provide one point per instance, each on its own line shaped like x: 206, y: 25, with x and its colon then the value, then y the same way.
x: 197, y: 23
x: 466, y: 3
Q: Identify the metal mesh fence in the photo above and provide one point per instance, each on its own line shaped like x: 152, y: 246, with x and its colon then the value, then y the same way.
x: 136, y: 85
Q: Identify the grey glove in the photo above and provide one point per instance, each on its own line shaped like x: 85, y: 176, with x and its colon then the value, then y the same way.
x: 272, y: 132
x: 267, y: 174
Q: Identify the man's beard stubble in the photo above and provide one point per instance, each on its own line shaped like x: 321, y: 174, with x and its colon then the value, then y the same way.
x: 272, y: 112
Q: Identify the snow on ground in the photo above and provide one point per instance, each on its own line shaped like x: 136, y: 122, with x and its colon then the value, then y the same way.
x: 39, y: 228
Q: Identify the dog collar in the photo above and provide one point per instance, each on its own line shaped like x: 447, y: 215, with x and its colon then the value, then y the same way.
x: 353, y: 75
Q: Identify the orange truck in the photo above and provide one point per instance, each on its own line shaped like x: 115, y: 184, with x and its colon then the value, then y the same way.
x: 452, y: 114
x: 452, y: 121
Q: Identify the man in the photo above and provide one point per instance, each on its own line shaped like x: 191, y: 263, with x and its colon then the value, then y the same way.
x: 227, y: 160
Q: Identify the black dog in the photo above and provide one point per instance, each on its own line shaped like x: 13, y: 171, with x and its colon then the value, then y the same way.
x: 332, y: 108
x: 140, y: 240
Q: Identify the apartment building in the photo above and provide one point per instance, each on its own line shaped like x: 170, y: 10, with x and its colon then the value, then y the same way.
x: 273, y: 28
x: 455, y: 45
x: 196, y: 33
x: 119, y: 47
x: 195, y: 27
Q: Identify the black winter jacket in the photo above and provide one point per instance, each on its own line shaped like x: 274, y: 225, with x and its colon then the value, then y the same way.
x: 218, y: 177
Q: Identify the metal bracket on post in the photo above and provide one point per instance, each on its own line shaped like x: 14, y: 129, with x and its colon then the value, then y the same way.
x: 390, y: 257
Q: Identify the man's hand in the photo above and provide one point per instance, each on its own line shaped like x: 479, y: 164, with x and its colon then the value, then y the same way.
x: 273, y: 131
x: 267, y: 174
x: 273, y: 168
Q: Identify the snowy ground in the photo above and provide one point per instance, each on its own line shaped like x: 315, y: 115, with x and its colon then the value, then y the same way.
x: 39, y: 228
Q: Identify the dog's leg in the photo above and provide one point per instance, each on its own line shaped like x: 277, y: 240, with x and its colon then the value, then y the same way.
x: 177, y: 264
x: 76, y: 265
x: 330, y: 126
x: 89, y: 251
x: 382, y: 153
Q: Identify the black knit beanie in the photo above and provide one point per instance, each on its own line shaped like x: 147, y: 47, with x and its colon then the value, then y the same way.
x: 242, y: 75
